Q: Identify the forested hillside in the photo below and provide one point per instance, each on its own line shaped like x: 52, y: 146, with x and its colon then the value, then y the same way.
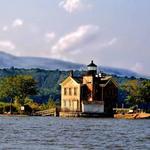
x: 48, y: 82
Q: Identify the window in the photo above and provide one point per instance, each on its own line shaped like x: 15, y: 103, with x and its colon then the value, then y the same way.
x: 70, y: 93
x: 65, y: 91
x: 75, y: 91
x: 64, y: 103
x: 69, y: 103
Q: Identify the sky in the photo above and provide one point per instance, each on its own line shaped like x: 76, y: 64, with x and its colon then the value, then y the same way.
x: 113, y: 33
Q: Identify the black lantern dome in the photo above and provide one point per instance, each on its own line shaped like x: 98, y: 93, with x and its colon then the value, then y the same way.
x: 92, y: 68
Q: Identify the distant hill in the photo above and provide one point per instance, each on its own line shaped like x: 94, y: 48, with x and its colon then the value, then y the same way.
x: 8, y: 61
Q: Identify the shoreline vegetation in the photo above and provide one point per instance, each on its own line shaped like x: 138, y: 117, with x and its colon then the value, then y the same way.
x: 51, y: 109
x: 20, y: 93
x: 30, y: 108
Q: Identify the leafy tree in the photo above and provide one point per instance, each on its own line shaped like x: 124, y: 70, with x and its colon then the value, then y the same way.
x: 132, y: 89
x: 8, y: 89
x: 144, y: 91
x: 26, y: 86
x: 19, y: 87
x: 138, y: 91
x: 34, y: 106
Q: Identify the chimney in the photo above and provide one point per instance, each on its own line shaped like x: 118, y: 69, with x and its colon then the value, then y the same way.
x: 71, y: 73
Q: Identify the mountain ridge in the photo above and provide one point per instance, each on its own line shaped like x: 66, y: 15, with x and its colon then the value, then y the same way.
x: 7, y: 61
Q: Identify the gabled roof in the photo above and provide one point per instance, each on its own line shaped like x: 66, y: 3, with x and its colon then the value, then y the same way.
x: 78, y: 80
x: 107, y: 79
x: 103, y: 82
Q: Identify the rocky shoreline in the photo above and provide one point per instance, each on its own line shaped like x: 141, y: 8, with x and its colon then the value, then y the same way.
x: 116, y: 116
x: 133, y: 116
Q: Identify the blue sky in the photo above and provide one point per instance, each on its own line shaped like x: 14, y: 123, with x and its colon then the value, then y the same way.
x: 111, y: 32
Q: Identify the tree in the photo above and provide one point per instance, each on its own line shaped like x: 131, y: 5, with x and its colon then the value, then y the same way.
x: 132, y: 89
x: 8, y: 90
x: 144, y: 91
x: 26, y: 86
x: 18, y: 87
x: 138, y: 91
x: 49, y: 105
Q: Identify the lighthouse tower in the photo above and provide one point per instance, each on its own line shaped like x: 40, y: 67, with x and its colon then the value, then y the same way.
x: 89, y: 80
x: 92, y: 69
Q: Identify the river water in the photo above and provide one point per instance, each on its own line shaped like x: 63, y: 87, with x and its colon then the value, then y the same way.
x: 50, y: 133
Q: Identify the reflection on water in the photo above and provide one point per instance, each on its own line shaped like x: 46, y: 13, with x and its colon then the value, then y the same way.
x: 50, y: 133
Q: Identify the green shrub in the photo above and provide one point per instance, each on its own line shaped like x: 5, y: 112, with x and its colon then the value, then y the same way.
x: 6, y: 108
x: 1, y: 109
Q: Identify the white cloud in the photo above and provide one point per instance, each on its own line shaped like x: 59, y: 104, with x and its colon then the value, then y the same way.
x: 50, y: 36
x: 73, y: 5
x: 75, y: 40
x: 17, y: 23
x: 109, y: 43
x: 7, y: 45
x: 112, y: 42
x: 5, y: 28
x: 70, y: 5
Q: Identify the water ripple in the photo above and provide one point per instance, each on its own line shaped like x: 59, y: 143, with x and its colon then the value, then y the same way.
x: 44, y: 133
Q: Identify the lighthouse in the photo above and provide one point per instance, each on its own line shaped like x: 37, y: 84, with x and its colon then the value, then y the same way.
x: 92, y: 69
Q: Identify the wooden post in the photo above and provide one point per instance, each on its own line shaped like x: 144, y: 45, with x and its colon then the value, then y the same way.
x: 11, y: 105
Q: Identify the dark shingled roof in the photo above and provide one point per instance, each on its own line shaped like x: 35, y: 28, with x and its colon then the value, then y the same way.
x: 105, y: 80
